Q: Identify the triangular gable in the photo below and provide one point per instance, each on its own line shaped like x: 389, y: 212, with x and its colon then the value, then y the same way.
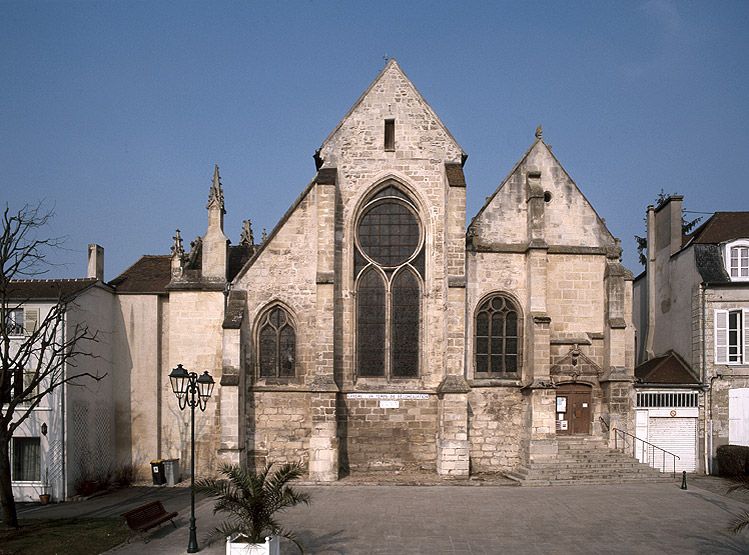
x: 553, y: 174
x: 392, y: 72
x: 667, y: 369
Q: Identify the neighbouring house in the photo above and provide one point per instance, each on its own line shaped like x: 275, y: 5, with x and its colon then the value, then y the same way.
x: 70, y: 434
x: 370, y: 330
x: 691, y: 309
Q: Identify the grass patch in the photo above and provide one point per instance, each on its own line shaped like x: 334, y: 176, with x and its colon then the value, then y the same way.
x: 74, y: 536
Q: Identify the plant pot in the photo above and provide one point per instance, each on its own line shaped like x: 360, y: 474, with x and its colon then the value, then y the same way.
x: 44, y: 498
x: 235, y: 546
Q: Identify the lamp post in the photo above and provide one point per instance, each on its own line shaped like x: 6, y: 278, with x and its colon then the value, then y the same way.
x: 191, y: 391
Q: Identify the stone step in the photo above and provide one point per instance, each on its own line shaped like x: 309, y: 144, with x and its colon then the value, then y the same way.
x: 593, y: 481
x: 623, y: 465
x: 585, y: 471
x: 586, y: 461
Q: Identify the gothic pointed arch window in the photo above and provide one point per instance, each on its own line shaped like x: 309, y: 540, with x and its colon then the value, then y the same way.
x: 389, y: 277
x: 276, y: 339
x: 497, y: 338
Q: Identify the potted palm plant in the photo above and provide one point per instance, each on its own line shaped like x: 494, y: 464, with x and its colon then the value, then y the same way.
x: 252, y: 499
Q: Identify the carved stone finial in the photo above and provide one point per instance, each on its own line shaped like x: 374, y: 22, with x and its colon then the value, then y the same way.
x: 264, y: 237
x: 575, y: 352
x: 247, y: 238
x: 539, y: 132
x: 177, y: 247
x: 216, y: 194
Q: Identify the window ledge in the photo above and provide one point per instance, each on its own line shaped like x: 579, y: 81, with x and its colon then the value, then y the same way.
x: 495, y: 382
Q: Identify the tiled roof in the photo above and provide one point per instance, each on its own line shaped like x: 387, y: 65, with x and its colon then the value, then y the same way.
x: 45, y: 289
x: 722, y: 227
x: 150, y: 274
x: 669, y: 368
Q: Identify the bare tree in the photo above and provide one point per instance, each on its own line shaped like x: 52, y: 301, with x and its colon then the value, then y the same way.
x: 40, y: 358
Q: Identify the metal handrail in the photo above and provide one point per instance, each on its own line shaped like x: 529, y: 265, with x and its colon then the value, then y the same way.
x: 606, y: 424
x: 618, y: 432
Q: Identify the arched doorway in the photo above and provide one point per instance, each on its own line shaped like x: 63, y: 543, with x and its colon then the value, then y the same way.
x: 573, y: 409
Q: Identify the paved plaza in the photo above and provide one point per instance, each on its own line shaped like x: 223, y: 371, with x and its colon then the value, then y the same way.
x: 635, y: 518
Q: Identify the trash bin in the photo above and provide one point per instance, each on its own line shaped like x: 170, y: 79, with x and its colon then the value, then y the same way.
x: 157, y: 473
x: 171, y: 471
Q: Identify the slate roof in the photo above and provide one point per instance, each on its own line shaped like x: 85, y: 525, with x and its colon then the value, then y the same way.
x: 720, y: 228
x: 48, y: 289
x: 709, y: 262
x: 238, y: 257
x: 149, y: 274
x: 667, y: 369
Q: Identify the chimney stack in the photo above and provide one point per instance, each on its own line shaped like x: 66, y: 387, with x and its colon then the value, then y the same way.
x: 95, y: 262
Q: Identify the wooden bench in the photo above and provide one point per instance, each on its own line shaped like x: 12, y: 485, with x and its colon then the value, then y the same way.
x: 145, y: 517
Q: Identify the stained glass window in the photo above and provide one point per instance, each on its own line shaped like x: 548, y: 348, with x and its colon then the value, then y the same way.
x: 497, y: 337
x: 389, y: 233
x: 405, y: 325
x: 370, y: 316
x: 277, y: 344
x: 389, y: 268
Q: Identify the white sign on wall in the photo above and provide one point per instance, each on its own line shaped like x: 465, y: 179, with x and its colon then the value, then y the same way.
x: 389, y: 404
x: 387, y: 395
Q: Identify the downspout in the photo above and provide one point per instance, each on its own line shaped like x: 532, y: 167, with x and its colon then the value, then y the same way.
x: 62, y: 404
x: 707, y: 388
x: 650, y: 274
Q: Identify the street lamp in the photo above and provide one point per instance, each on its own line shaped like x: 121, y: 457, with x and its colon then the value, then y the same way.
x: 192, y: 391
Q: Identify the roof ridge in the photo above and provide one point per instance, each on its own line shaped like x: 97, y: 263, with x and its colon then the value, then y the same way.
x: 392, y: 63
x: 52, y: 280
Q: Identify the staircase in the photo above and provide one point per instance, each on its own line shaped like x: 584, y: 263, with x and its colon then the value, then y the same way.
x: 586, y: 460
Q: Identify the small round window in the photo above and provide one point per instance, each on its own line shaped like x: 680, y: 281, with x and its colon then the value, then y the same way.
x: 389, y: 233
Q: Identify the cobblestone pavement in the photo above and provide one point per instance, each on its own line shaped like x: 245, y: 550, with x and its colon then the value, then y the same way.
x: 632, y: 518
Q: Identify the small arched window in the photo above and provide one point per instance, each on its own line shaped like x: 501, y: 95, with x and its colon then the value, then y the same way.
x: 497, y: 338
x: 276, y: 344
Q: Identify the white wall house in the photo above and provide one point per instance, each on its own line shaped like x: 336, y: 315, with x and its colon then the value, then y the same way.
x: 70, y: 434
x: 691, y: 311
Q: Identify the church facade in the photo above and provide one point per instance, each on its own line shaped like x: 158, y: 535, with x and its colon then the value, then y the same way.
x: 370, y: 330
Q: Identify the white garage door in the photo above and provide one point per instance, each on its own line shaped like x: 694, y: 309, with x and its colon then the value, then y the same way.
x: 678, y: 436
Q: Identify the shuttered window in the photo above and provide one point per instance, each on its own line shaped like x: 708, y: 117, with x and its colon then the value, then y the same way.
x: 731, y: 336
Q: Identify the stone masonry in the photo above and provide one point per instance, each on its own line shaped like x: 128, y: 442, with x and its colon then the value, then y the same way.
x: 537, y: 244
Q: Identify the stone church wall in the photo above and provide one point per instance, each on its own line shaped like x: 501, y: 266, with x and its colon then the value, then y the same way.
x: 195, y: 333
x: 496, y: 428
x: 575, y: 283
x: 279, y: 422
x: 278, y: 427
x: 375, y: 438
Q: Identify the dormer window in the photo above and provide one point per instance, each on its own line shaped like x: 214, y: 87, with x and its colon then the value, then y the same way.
x: 737, y: 260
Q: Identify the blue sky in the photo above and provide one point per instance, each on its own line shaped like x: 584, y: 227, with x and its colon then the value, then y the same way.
x: 113, y: 113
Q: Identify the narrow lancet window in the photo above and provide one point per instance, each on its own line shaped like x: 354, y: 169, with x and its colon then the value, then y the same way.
x: 389, y: 134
